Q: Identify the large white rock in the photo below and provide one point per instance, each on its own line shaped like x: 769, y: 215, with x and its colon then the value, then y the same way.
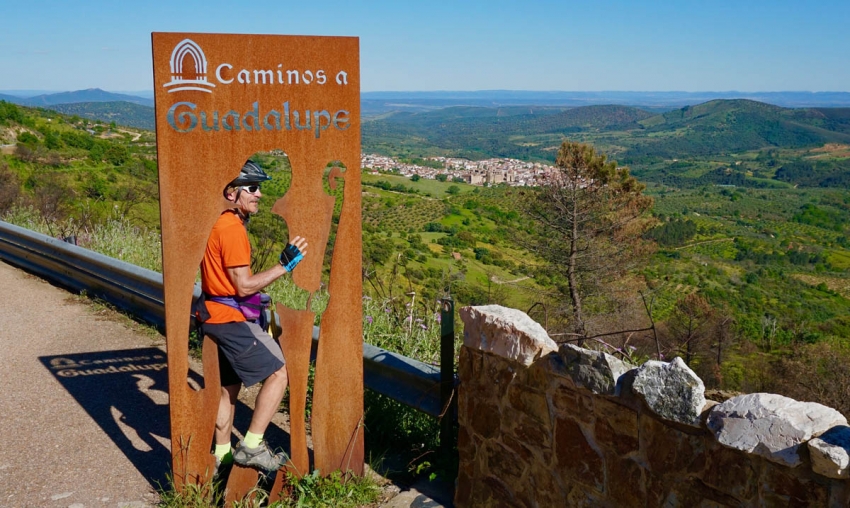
x: 671, y: 390
x: 830, y: 453
x: 506, y: 332
x: 593, y: 370
x: 770, y: 425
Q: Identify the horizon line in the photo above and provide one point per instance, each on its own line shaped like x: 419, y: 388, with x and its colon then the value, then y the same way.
x: 488, y: 90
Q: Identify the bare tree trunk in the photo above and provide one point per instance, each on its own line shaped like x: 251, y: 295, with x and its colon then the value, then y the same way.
x: 720, y: 337
x: 689, y: 343
x: 575, y: 297
x: 648, y: 307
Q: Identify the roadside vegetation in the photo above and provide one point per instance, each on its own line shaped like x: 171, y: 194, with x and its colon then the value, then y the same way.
x: 336, y: 490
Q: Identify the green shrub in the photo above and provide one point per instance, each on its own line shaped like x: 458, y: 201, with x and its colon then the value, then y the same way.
x: 9, y: 111
x: 336, y: 490
x: 27, y: 138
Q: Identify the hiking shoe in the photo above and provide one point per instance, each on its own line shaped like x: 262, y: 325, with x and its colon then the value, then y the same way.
x: 260, y: 457
x: 221, y: 470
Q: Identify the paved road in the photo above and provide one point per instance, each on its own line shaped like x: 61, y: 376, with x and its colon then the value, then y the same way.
x: 84, y: 406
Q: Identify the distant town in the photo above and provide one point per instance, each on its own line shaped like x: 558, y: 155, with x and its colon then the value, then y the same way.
x: 511, y: 172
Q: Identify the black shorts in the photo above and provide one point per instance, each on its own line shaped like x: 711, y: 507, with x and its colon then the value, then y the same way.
x: 250, y: 355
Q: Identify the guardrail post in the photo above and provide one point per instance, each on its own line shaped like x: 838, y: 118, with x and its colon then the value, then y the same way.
x: 448, y: 401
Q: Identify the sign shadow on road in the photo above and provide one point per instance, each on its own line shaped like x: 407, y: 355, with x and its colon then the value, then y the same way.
x: 126, y: 393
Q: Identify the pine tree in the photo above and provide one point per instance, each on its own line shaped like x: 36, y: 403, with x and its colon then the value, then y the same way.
x: 589, y: 220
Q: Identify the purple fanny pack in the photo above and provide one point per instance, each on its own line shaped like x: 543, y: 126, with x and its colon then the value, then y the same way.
x: 251, y: 307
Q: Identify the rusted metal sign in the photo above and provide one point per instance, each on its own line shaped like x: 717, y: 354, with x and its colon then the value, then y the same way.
x: 220, y: 99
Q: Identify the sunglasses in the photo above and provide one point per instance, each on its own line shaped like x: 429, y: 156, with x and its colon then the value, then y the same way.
x: 252, y: 189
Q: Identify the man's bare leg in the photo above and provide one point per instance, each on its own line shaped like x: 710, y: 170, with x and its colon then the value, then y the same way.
x: 226, y: 412
x: 268, y: 401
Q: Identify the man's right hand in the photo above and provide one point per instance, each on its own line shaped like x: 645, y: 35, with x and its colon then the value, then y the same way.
x: 293, y: 253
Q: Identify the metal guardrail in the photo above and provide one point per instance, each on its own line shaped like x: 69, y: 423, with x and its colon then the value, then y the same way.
x: 139, y: 291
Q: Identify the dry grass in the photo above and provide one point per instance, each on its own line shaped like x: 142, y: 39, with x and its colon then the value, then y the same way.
x: 830, y: 150
x: 838, y: 284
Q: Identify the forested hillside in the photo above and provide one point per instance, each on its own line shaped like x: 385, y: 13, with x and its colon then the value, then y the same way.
x: 67, y: 167
x: 750, y: 280
x: 719, y: 127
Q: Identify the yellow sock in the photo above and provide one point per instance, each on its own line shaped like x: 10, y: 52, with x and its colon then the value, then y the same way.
x: 252, y: 440
x: 223, y: 452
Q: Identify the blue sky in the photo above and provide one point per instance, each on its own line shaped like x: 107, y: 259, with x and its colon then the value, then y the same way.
x: 635, y: 45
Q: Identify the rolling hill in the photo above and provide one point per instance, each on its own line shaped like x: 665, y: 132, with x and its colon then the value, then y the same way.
x: 729, y: 126
x: 120, y: 112
x: 633, y: 135
x: 95, y: 104
x: 477, y: 132
x: 89, y: 95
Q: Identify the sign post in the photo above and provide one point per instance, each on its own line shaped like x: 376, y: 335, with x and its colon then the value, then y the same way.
x: 220, y: 98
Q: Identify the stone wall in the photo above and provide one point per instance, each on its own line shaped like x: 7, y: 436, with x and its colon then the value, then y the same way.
x: 548, y: 425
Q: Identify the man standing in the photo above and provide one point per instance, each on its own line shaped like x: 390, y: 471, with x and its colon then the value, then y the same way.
x: 247, y: 353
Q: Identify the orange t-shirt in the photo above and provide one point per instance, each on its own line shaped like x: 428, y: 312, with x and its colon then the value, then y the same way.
x: 227, y: 247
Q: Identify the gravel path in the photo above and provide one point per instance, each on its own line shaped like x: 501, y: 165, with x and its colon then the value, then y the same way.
x: 68, y: 439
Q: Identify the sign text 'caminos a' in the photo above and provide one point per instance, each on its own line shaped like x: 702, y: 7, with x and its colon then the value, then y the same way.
x: 189, y: 73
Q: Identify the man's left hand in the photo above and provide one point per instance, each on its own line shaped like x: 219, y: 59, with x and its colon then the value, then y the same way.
x: 293, y: 253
